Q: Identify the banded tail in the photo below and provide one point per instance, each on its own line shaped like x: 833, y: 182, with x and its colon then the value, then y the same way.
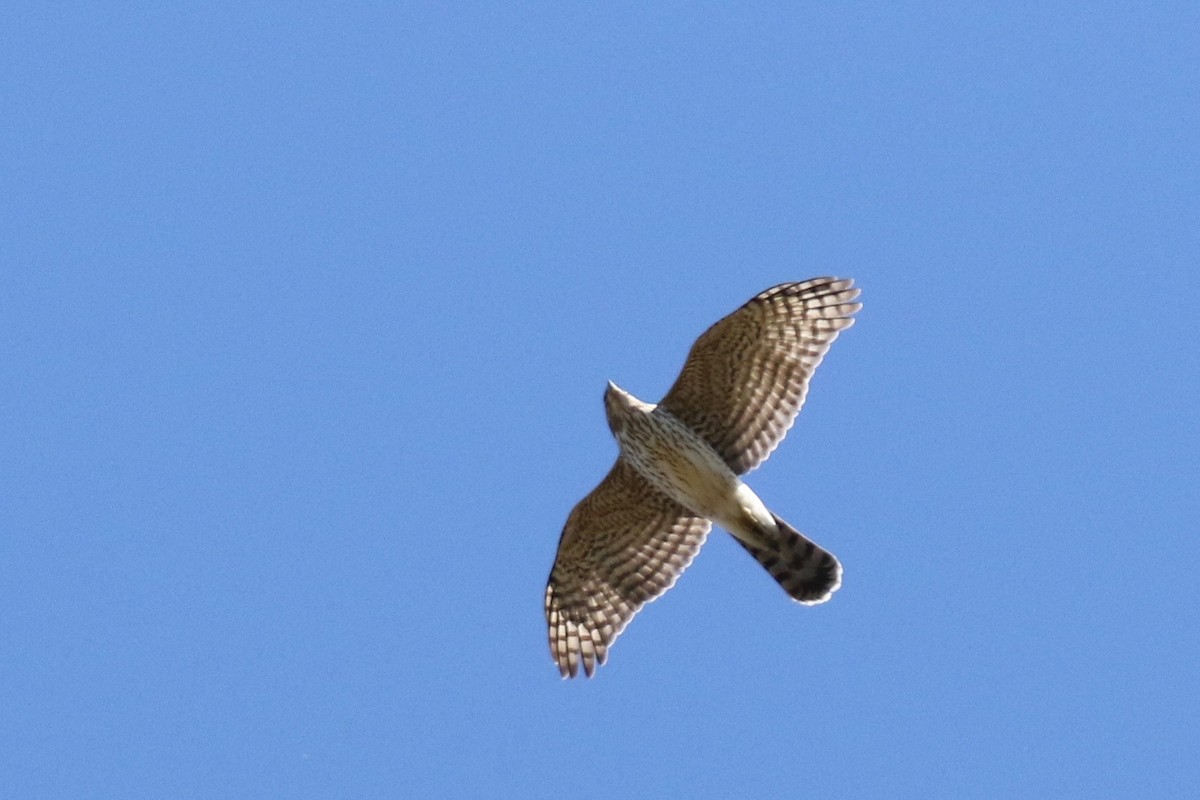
x: 805, y: 571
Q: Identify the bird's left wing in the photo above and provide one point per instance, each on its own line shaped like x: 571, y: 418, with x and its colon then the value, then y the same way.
x: 745, y: 378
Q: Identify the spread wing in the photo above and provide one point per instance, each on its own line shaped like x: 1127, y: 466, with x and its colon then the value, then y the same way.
x: 745, y: 378
x: 623, y: 545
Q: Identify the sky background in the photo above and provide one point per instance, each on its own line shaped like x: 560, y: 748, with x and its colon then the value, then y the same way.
x: 306, y: 311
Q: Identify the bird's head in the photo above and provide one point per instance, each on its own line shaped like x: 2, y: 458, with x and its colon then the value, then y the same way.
x: 620, y: 405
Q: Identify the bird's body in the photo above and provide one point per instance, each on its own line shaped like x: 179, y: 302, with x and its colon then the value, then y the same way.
x: 679, y: 466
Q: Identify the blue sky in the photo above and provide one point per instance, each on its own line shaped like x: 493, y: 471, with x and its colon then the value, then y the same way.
x: 305, y: 316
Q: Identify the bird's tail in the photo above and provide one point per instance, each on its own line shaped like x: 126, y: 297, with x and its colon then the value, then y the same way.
x: 805, y: 571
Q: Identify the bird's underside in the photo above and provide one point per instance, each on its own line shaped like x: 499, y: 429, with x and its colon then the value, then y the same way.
x: 678, y: 471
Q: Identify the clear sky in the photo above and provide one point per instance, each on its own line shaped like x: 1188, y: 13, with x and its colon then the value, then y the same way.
x: 305, y: 316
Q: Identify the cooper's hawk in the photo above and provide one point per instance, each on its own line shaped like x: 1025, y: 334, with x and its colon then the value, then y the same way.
x: 741, y: 388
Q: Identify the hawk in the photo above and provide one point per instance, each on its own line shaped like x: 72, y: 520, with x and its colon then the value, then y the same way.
x: 740, y: 390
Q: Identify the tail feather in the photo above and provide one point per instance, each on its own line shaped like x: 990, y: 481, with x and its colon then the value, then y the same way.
x: 805, y: 571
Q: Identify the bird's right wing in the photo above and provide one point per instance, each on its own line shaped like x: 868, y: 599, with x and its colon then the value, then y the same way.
x: 623, y: 545
x: 745, y: 378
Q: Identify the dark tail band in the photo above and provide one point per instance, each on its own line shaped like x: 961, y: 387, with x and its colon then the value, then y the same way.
x: 806, y: 572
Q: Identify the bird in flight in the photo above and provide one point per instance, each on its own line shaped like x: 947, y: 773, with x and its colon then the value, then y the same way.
x: 740, y: 390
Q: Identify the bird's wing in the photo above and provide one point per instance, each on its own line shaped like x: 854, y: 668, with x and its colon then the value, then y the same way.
x: 745, y: 378
x: 623, y: 545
